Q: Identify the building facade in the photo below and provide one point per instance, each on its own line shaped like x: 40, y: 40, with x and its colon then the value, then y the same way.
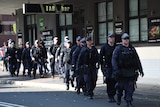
x: 7, y: 28
x: 97, y: 18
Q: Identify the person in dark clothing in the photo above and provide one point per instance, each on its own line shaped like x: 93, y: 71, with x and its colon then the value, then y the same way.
x: 26, y: 59
x: 65, y: 61
x: 11, y: 54
x: 78, y: 70
x: 52, y: 52
x: 37, y: 56
x: 89, y: 58
x: 18, y: 57
x: 44, y: 56
x: 126, y: 68
x: 106, y: 65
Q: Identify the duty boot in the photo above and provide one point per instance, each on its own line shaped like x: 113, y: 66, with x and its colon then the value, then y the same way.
x: 72, y: 84
x: 129, y: 104
x: 111, y: 100
x: 118, y: 100
x: 78, y: 91
x: 67, y: 87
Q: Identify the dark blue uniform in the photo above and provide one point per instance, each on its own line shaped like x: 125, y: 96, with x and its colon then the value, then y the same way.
x: 26, y: 58
x: 78, y: 70
x: 18, y: 56
x: 11, y: 54
x: 52, y: 51
x: 106, y: 64
x: 88, y: 58
x: 125, y: 62
x: 37, y: 54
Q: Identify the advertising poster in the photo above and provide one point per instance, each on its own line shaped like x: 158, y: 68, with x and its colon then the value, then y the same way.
x: 154, y: 30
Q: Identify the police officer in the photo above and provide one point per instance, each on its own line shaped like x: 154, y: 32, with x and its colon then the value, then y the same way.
x: 44, y: 56
x: 105, y: 61
x: 36, y: 54
x: 57, y: 57
x: 78, y: 69
x: 52, y: 52
x: 88, y: 57
x: 126, y: 65
x: 19, y: 56
x: 11, y: 54
x: 73, y: 48
x: 26, y: 59
x: 65, y: 61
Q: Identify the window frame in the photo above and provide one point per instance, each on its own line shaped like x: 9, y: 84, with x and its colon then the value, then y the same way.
x: 106, y: 21
x: 139, y: 17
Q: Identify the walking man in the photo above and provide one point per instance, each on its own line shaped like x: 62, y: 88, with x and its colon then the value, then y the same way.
x: 126, y: 66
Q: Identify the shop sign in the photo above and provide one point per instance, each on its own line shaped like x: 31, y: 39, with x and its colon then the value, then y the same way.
x: 47, y: 8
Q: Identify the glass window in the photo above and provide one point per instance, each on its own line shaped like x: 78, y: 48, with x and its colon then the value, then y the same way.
x: 28, y: 20
x: 68, y: 19
x: 62, y: 19
x: 70, y: 34
x: 102, y: 33
x: 144, y: 29
x: 102, y: 11
x: 33, y: 19
x: 110, y: 27
x: 143, y: 7
x: 134, y: 30
x: 133, y: 7
x: 110, y: 10
x: 63, y: 34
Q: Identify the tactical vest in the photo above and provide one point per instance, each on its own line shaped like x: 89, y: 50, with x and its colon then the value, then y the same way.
x: 127, y: 58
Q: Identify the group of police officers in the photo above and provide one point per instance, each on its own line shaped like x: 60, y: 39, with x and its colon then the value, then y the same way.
x: 120, y: 64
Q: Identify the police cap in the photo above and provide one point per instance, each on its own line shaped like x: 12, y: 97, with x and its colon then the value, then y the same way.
x: 124, y: 35
x: 83, y: 40
x: 78, y: 38
x: 110, y: 35
x: 88, y: 38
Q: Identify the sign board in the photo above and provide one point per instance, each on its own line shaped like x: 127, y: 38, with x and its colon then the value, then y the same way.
x: 154, y: 29
x: 118, y: 28
x: 48, y: 37
x: 19, y: 35
x: 89, y: 31
x: 118, y: 31
x: 47, y: 8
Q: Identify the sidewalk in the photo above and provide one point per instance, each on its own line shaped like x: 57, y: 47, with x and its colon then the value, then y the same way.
x: 56, y: 82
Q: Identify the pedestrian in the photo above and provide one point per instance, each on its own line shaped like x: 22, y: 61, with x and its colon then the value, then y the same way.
x: 126, y: 68
x: 26, y: 59
x: 4, y: 57
x: 52, y: 52
x: 11, y: 55
x: 89, y: 58
x: 65, y: 61
x: 106, y: 65
x: 18, y: 57
x: 36, y: 55
x: 79, y: 68
x: 59, y: 50
x: 73, y: 48
x: 44, y: 56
